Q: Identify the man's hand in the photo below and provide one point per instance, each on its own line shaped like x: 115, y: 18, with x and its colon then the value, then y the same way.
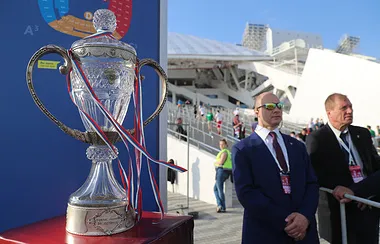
x: 300, y: 237
x: 363, y: 206
x: 296, y: 226
x: 339, y: 192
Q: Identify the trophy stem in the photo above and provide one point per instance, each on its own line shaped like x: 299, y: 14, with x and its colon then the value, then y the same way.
x: 99, y: 206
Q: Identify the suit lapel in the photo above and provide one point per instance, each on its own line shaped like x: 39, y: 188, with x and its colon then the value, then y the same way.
x: 332, y: 138
x: 260, y: 144
x: 290, y: 150
x: 333, y: 143
x: 355, y: 138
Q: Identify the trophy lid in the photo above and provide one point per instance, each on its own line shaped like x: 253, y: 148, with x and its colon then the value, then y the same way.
x: 104, y: 21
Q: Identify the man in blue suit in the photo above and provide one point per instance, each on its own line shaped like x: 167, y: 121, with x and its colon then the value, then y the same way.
x: 275, y: 182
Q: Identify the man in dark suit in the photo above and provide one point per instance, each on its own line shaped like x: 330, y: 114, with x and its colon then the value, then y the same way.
x: 342, y: 154
x: 274, y: 181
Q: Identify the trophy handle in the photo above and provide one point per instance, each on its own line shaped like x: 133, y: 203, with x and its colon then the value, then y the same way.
x: 164, y: 80
x: 63, y: 69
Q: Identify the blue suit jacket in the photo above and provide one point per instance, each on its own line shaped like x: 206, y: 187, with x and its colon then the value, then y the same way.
x: 259, y: 189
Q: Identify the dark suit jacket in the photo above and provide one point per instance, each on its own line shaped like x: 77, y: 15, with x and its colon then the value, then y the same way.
x: 332, y: 169
x: 328, y: 158
x: 259, y: 189
x: 370, y: 186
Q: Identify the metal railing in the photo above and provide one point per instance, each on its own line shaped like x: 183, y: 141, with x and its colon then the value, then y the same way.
x: 343, y: 210
x: 187, y: 114
x: 189, y: 141
x: 195, y: 142
x: 179, y: 135
x: 199, y: 132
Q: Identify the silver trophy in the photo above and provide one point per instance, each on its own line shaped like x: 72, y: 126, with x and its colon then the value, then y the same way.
x: 100, y: 205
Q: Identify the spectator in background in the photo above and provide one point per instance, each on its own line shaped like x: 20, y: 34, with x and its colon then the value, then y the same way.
x: 181, y: 130
x: 378, y: 130
x: 237, y: 126
x: 373, y: 136
x: 219, y: 121
x: 223, y: 168
x: 210, y: 119
x: 292, y: 134
x: 372, y: 132
x: 242, y: 133
x: 299, y: 137
x: 202, y: 110
x: 236, y: 111
x: 321, y: 122
x: 195, y: 110
x: 303, y: 134
x: 171, y: 174
x: 311, y: 124
x: 317, y: 122
x: 179, y: 103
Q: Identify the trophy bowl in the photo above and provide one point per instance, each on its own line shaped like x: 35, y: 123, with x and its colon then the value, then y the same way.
x: 110, y: 68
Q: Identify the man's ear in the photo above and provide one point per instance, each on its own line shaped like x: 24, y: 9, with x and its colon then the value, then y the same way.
x: 257, y: 112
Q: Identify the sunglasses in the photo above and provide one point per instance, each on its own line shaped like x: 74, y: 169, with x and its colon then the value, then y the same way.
x: 272, y: 106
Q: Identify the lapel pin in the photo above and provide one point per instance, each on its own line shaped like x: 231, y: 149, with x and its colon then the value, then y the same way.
x: 358, y: 136
x: 291, y: 143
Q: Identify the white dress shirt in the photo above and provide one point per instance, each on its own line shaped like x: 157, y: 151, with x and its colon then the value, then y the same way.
x: 355, y: 153
x: 263, y: 133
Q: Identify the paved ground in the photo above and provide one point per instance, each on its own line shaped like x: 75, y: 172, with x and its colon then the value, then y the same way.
x: 211, y: 227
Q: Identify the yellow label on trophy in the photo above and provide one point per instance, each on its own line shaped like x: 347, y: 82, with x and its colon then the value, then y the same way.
x: 47, y: 64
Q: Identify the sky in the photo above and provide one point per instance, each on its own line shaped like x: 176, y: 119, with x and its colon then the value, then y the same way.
x: 225, y: 21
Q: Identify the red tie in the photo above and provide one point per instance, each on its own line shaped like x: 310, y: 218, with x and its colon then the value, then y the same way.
x: 279, y: 155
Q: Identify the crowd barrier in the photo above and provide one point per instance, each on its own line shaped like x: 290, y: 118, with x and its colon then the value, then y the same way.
x: 343, y: 210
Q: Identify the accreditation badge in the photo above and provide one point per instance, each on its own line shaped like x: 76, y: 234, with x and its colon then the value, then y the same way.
x: 285, y: 180
x: 356, y: 173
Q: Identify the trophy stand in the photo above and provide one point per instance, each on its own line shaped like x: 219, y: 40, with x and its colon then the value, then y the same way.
x: 100, y: 205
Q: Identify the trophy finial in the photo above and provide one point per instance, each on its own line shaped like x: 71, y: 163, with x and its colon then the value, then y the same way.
x: 104, y: 20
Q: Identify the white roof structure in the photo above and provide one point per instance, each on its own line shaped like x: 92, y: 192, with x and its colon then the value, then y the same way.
x: 187, y: 47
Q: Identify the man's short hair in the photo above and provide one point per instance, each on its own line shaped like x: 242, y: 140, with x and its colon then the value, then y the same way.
x: 330, y: 100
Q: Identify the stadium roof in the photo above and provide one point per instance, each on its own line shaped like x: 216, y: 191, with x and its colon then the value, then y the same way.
x: 189, y: 47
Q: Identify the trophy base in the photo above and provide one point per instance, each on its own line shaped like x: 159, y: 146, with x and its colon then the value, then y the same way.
x: 98, y: 221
